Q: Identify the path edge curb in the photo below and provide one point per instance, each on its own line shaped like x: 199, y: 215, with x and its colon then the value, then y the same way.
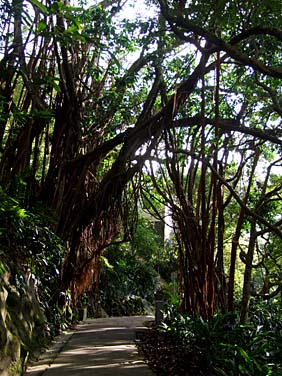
x: 48, y: 356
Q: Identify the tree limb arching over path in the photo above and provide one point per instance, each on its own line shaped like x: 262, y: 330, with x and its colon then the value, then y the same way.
x: 76, y: 113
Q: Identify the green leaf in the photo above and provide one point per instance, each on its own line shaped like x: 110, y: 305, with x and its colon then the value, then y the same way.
x: 39, y: 5
x: 246, y: 357
x: 244, y: 354
x: 220, y: 371
x: 106, y: 262
x: 41, y: 26
x: 2, y: 268
x: 3, y: 230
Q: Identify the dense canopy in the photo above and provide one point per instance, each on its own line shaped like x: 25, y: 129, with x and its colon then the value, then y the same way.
x: 179, y: 105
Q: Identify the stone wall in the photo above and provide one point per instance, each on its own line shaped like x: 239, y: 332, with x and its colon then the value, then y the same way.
x: 22, y: 323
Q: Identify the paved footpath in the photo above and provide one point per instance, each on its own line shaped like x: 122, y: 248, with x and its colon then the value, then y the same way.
x: 98, y: 347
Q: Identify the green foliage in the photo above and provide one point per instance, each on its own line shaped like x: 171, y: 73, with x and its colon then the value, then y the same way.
x: 30, y: 263
x: 39, y: 5
x: 129, y: 278
x: 221, y: 346
x: 127, y: 283
x: 28, y: 244
x: 91, y: 50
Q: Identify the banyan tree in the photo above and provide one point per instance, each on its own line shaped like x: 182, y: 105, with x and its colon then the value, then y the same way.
x: 88, y: 96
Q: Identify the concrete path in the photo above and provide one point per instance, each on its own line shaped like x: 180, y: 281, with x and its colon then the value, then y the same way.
x: 99, y: 347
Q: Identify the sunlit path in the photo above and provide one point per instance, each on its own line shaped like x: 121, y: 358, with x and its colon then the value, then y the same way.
x: 99, y: 347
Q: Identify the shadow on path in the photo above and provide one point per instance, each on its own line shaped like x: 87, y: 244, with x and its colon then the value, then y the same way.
x: 99, y: 347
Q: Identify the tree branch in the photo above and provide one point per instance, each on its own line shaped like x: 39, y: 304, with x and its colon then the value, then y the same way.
x: 258, y: 30
x: 251, y: 213
x: 177, y: 22
x: 227, y: 125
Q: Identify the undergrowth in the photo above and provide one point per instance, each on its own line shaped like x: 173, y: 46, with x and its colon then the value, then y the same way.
x: 222, y: 346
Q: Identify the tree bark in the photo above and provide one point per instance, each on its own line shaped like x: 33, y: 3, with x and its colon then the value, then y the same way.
x: 248, y: 273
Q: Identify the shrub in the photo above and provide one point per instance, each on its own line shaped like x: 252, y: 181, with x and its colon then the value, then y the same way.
x: 193, y: 347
